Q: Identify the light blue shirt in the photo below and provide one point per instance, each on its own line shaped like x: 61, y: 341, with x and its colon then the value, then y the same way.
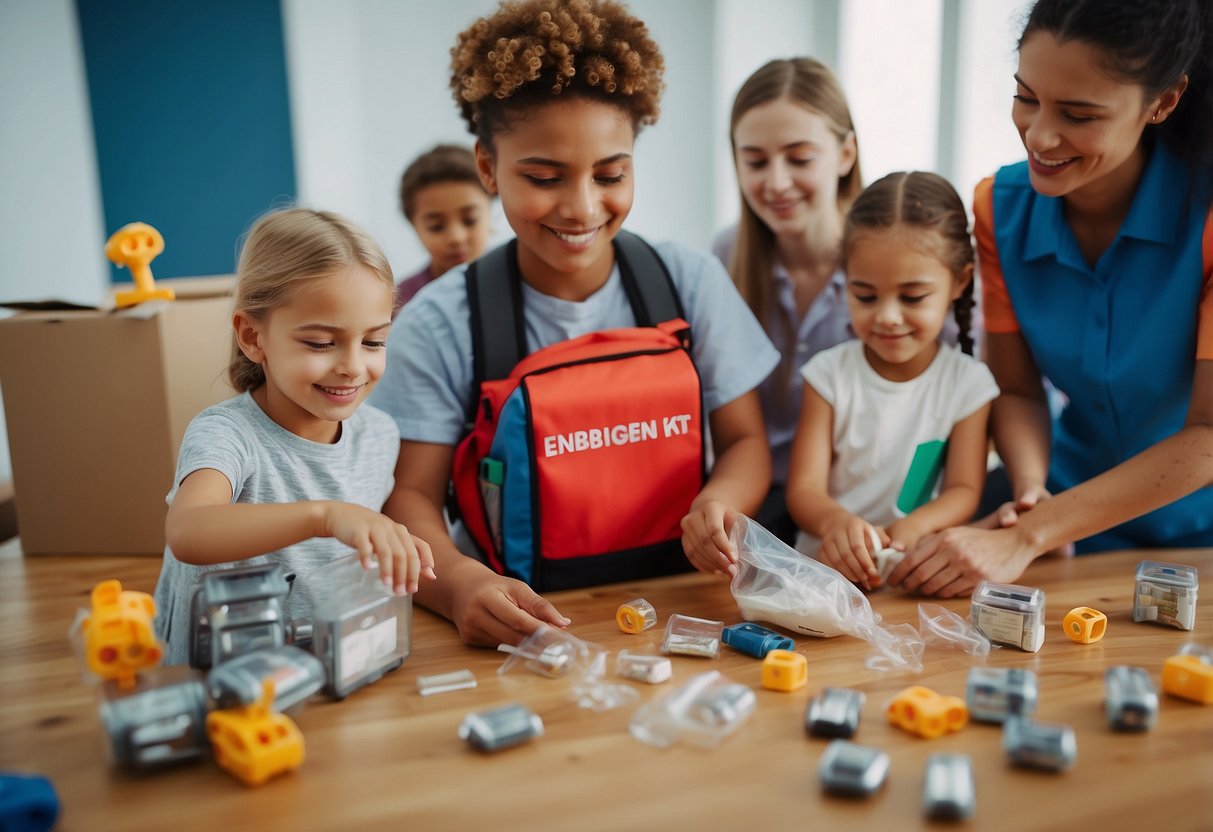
x: 427, y: 387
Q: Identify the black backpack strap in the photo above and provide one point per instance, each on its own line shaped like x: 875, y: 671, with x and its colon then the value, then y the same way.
x: 646, y: 281
x: 495, y: 312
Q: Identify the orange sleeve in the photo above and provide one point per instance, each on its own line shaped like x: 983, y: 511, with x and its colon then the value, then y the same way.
x: 1204, y: 326
x: 996, y: 304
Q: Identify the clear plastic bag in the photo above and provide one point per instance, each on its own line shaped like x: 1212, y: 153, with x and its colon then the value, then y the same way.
x: 702, y: 711
x: 554, y: 654
x: 944, y: 628
x: 777, y: 584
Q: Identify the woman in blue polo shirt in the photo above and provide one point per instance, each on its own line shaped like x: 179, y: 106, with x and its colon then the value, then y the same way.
x: 1093, y: 275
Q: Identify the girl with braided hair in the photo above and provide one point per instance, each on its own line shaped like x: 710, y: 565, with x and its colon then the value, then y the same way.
x: 884, y: 415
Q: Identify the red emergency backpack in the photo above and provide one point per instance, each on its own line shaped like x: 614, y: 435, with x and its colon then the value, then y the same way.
x: 582, y: 457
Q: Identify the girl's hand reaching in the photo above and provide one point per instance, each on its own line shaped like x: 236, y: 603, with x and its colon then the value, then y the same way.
x: 847, y: 545
x: 375, y: 537
x: 705, y: 538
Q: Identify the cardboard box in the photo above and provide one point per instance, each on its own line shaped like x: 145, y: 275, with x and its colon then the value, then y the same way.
x: 96, y: 403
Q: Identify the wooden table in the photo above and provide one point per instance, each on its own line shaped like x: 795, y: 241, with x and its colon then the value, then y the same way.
x: 387, y: 757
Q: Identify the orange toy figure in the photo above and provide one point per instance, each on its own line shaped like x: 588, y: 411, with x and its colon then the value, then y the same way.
x: 118, y: 635
x: 135, y: 246
x: 925, y: 713
x: 253, y: 743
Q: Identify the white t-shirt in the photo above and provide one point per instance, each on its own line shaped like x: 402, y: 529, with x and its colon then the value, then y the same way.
x: 880, y: 425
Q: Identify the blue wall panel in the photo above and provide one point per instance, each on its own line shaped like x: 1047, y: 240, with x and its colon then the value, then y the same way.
x: 192, y: 121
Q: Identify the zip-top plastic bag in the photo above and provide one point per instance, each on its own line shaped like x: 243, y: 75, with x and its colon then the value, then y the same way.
x: 777, y: 584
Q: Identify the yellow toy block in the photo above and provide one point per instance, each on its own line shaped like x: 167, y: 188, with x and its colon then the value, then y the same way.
x: 254, y: 744
x: 1188, y: 677
x: 119, y: 639
x: 1085, y: 625
x: 135, y: 246
x: 925, y: 713
x: 636, y: 616
x: 784, y: 670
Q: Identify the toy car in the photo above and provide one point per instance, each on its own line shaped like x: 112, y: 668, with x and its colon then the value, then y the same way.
x: 947, y: 787
x: 1130, y: 700
x: 297, y: 674
x: 1038, y: 744
x: 995, y: 693
x: 236, y: 611
x: 834, y: 713
x: 500, y: 728
x: 160, y: 722
x: 852, y: 770
x: 754, y: 640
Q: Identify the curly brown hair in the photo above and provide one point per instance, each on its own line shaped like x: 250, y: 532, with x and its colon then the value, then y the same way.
x: 531, y: 50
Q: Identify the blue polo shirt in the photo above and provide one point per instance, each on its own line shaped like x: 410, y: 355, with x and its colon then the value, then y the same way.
x: 1118, y: 338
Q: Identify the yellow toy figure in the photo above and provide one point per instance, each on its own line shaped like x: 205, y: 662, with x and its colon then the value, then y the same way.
x: 118, y: 635
x: 253, y: 743
x: 925, y: 713
x: 135, y: 246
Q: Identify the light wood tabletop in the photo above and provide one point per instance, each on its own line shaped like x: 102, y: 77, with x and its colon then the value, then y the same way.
x: 386, y: 756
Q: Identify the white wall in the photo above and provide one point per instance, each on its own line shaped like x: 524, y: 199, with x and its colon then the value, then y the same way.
x: 368, y: 89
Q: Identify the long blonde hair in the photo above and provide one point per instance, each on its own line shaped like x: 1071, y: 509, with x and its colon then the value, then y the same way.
x: 811, y: 84
x: 283, y: 249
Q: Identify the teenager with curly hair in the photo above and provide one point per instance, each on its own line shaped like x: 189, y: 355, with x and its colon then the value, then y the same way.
x: 555, y: 92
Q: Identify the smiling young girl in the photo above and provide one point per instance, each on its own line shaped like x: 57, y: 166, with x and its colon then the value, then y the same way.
x: 1096, y: 258
x: 293, y: 470
x: 883, y: 415
x: 555, y: 92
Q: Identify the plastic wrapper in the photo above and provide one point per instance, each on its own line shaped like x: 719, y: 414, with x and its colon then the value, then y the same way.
x: 360, y: 630
x: 554, y: 653
x: 941, y: 627
x: 702, y: 712
x: 777, y: 584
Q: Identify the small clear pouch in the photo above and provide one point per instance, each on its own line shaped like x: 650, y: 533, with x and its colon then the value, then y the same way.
x: 941, y: 627
x: 777, y: 584
x: 554, y: 653
x: 360, y: 630
x: 702, y: 712
x: 688, y: 636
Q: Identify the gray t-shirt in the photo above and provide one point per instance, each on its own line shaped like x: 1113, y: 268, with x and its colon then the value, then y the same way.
x: 266, y: 463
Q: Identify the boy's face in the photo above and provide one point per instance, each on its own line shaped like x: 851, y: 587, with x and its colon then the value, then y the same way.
x: 564, y: 174
x: 322, y: 351
x: 452, y: 221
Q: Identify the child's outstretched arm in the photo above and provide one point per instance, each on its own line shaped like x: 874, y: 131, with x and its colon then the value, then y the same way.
x: 738, y: 482
x: 485, y: 607
x: 960, y: 493
x: 845, y: 538
x: 204, y: 527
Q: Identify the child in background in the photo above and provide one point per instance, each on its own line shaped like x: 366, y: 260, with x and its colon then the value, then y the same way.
x: 883, y: 414
x: 555, y: 92
x: 442, y: 198
x: 293, y: 470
